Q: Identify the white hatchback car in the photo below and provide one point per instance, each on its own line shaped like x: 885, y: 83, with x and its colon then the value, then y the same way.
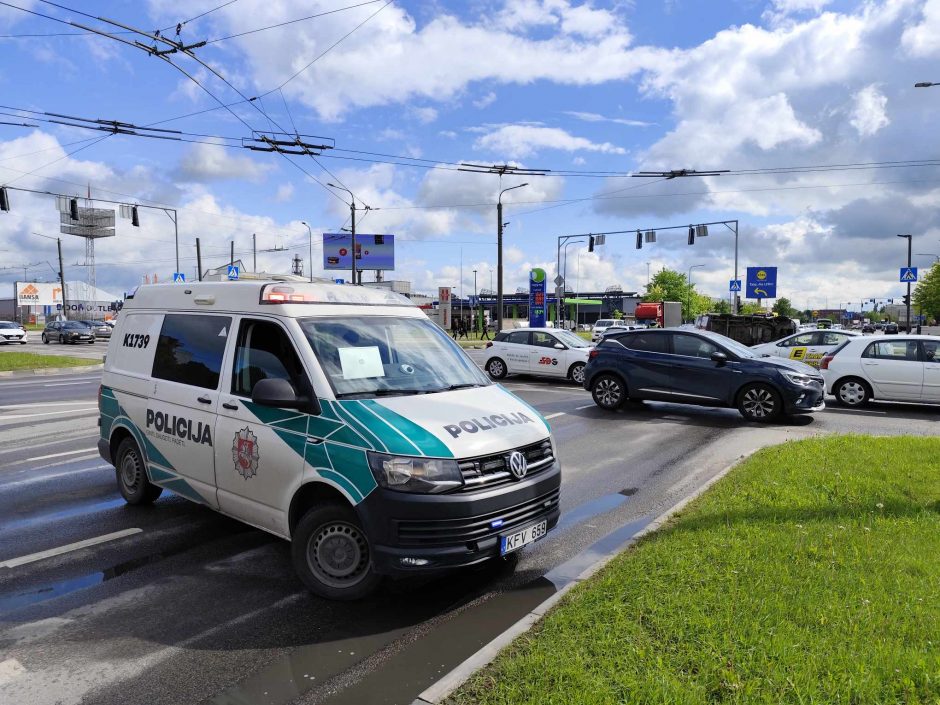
x: 807, y: 346
x: 888, y: 368
x: 601, y: 325
x: 537, y: 351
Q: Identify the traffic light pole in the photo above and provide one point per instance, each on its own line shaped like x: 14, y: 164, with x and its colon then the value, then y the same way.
x: 62, y: 277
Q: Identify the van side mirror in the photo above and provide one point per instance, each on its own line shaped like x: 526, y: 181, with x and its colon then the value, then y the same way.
x: 719, y: 357
x: 281, y: 393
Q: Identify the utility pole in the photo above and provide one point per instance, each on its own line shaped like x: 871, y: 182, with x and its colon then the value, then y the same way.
x: 499, y: 255
x: 62, y: 276
x: 910, y: 240
x: 310, y: 244
x: 231, y: 259
x: 352, y: 229
x: 198, y: 261
x: 474, y: 314
x: 254, y: 252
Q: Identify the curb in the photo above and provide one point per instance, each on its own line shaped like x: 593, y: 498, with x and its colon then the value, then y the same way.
x: 440, y: 690
x: 51, y: 371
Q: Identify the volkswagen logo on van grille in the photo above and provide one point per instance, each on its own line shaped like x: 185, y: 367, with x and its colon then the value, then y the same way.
x: 518, y: 464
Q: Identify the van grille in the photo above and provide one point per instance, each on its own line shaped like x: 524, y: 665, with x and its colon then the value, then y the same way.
x: 493, y: 470
x: 456, y: 532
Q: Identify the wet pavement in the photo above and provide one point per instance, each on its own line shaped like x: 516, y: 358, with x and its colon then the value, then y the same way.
x: 198, y: 608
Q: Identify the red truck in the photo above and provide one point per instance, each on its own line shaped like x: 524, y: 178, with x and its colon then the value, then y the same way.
x: 659, y: 314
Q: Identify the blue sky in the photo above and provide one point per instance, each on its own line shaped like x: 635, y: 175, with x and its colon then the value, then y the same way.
x: 563, y: 85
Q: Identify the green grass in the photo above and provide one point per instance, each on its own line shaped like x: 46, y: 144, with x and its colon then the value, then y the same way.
x: 810, y: 574
x: 31, y: 361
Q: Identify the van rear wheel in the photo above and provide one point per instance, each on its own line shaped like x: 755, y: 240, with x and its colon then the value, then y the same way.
x: 331, y: 553
x: 132, y: 476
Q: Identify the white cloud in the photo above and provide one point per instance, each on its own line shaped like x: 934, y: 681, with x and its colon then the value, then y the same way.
x: 449, y: 134
x: 485, y: 101
x: 792, y: 6
x: 524, y: 140
x: 206, y: 162
x: 868, y: 115
x: 595, y: 117
x: 285, y: 192
x: 923, y: 39
x: 424, y: 115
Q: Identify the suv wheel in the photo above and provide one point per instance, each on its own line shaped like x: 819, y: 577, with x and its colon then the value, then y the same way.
x: 608, y: 391
x: 759, y: 402
x: 331, y: 553
x: 851, y: 392
x: 496, y: 368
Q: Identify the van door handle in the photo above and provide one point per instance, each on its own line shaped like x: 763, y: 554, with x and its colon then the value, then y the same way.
x: 233, y: 407
x: 204, y: 400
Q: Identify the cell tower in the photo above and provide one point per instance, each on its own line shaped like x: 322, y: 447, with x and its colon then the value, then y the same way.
x: 87, y: 222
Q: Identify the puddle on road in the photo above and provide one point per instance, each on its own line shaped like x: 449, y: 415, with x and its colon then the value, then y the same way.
x: 30, y: 596
x: 405, y: 674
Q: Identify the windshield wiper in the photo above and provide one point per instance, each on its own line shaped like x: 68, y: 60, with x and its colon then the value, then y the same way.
x: 382, y: 393
x: 466, y: 385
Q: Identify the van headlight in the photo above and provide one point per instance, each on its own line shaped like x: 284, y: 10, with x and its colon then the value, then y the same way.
x: 407, y: 474
x: 800, y: 380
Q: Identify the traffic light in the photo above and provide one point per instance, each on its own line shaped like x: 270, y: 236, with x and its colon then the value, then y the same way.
x: 73, y: 208
x: 907, y: 299
x: 135, y: 221
x: 639, y: 240
x: 691, y: 235
x: 4, y: 200
x: 590, y: 243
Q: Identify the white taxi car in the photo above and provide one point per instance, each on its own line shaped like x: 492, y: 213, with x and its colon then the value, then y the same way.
x: 887, y: 368
x: 537, y: 351
x: 807, y: 346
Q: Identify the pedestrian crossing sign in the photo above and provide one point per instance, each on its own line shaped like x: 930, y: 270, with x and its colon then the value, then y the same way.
x: 179, y: 278
x: 233, y: 272
x: 908, y: 275
x: 734, y: 285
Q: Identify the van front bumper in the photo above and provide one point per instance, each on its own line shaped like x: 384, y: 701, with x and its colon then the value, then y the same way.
x: 419, y: 533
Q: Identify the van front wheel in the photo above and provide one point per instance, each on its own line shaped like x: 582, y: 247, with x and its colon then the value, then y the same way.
x: 331, y: 553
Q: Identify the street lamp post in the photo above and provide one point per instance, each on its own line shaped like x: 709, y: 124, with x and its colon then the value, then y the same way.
x: 910, y: 240
x: 929, y: 254
x: 352, y: 229
x: 689, y: 295
x: 926, y: 84
x: 474, y: 314
x: 310, y: 243
x: 499, y: 255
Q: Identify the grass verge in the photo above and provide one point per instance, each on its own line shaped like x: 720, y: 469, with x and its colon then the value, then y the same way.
x: 810, y: 574
x: 31, y: 361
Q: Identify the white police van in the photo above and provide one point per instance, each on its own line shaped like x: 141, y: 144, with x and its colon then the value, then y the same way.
x: 338, y: 417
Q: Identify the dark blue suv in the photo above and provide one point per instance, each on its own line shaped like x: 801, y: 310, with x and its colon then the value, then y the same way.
x: 702, y: 368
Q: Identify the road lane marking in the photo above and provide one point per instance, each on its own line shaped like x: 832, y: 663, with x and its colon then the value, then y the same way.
x: 69, y: 384
x: 43, y: 405
x: 68, y: 548
x: 587, y: 406
x: 48, y: 413
x: 56, y: 455
x: 555, y: 415
x: 858, y: 411
x: 52, y: 476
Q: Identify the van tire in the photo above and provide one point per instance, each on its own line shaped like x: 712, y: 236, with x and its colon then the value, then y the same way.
x: 331, y: 553
x: 131, y: 474
x: 496, y: 368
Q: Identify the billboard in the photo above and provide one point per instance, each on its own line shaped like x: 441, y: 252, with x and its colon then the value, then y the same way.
x: 445, y: 320
x: 372, y: 251
x: 38, y: 294
x: 537, y: 298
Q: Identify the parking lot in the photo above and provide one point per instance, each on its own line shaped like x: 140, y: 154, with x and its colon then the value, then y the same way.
x: 189, y: 606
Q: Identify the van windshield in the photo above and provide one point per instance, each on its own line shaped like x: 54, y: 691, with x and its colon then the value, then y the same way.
x: 374, y: 356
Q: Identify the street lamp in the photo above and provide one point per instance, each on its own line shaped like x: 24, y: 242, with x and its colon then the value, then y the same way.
x: 925, y: 84
x: 929, y: 254
x: 499, y: 255
x: 689, y: 282
x: 310, y: 241
x: 352, y: 211
x: 910, y: 239
x: 476, y: 303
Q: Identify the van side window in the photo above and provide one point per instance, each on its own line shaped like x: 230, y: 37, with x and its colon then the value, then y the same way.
x: 190, y: 349
x: 264, y: 351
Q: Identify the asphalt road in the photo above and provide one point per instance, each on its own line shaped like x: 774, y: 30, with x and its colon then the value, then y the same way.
x: 193, y: 607
x: 34, y: 344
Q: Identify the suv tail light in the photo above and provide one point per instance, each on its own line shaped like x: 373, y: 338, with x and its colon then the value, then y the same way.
x: 594, y: 353
x: 489, y: 343
x: 824, y: 362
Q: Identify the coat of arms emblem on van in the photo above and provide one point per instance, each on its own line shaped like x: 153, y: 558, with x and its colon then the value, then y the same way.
x: 245, y: 453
